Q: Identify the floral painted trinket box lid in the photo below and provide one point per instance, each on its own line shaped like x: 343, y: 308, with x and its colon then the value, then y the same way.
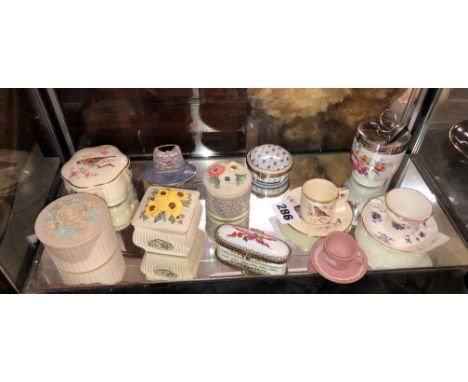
x: 227, y: 179
x: 166, y: 209
x: 251, y: 250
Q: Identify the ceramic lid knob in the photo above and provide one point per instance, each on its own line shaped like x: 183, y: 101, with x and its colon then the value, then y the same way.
x: 168, y: 158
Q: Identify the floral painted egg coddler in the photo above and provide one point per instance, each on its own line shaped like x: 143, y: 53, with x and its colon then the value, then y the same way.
x: 101, y: 170
x: 374, y: 156
x: 166, y: 220
x: 251, y: 250
x: 270, y: 166
x: 77, y: 233
x: 227, y: 187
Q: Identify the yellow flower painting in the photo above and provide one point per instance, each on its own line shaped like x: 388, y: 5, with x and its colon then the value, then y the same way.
x: 166, y: 205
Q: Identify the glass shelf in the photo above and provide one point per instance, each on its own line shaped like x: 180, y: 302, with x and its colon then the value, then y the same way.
x: 45, y: 277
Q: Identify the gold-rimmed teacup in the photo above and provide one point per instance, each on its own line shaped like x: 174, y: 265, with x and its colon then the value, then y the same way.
x: 406, y: 210
x: 319, y: 200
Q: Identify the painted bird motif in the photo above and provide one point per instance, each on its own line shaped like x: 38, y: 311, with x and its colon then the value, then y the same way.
x: 319, y: 212
x: 95, y: 161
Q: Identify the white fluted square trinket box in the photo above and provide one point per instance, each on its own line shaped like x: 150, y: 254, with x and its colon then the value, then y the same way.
x: 166, y: 220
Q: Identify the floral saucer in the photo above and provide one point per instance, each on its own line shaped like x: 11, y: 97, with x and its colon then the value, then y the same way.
x: 424, y: 239
x: 352, y: 273
x: 341, y: 221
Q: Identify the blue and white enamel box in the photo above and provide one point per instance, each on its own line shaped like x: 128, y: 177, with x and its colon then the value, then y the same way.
x: 270, y: 166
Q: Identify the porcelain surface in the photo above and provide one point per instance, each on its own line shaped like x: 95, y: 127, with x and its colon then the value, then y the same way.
x: 71, y: 220
x: 101, y: 170
x: 269, y: 190
x: 168, y: 241
x: 253, y: 243
x: 270, y: 159
x: 350, y: 274
x: 122, y: 214
x: 109, y: 273
x: 319, y: 200
x: 169, y: 179
x: 381, y: 257
x: 406, y: 210
x: 425, y: 238
x: 251, y: 265
x: 341, y: 219
x: 156, y: 266
x: 212, y: 223
x: 166, y: 209
x: 94, y: 166
x: 227, y: 179
x: 168, y: 158
x: 77, y: 232
x: 228, y: 186
x: 372, y: 169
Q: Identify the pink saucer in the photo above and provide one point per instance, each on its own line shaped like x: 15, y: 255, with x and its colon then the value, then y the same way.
x: 351, y: 274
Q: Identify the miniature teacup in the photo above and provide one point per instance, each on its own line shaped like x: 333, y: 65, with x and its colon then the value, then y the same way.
x: 319, y: 200
x: 406, y: 210
x: 340, y: 249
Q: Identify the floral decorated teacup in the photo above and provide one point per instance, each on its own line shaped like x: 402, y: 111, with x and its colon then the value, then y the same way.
x: 406, y: 210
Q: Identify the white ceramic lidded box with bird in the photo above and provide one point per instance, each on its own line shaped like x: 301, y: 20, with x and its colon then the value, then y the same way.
x: 101, y: 170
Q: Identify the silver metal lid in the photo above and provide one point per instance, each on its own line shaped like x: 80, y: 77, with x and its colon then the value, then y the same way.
x: 385, y: 136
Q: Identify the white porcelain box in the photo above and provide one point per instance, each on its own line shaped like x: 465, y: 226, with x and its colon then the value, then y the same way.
x: 228, y: 186
x: 101, y: 170
x: 156, y: 266
x: 251, y: 250
x: 166, y: 220
x: 270, y: 166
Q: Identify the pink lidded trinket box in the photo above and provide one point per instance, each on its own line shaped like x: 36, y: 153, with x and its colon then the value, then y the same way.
x: 77, y: 233
x: 166, y: 220
x: 102, y: 170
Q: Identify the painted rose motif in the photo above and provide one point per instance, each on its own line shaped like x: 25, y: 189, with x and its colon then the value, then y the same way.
x: 251, y: 236
x: 71, y: 217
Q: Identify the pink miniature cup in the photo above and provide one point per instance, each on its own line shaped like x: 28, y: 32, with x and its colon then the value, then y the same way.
x: 340, y: 249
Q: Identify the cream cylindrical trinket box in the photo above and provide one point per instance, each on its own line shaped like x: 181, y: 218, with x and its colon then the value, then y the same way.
x: 228, y: 186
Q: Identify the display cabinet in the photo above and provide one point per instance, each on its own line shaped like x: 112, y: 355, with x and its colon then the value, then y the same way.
x: 42, y: 128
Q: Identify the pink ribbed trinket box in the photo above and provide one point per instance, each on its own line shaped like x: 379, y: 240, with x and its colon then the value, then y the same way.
x: 77, y: 232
